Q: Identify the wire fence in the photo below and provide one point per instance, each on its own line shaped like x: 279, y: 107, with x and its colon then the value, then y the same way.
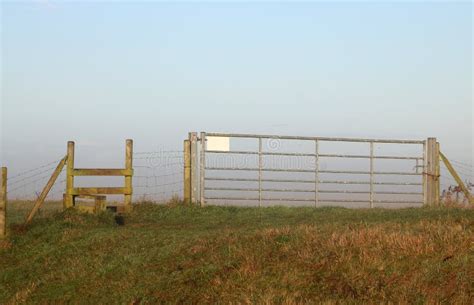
x: 28, y: 184
x: 24, y: 188
x: 158, y: 177
x: 450, y: 190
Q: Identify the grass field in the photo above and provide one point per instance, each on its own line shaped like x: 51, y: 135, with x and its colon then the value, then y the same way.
x: 225, y: 255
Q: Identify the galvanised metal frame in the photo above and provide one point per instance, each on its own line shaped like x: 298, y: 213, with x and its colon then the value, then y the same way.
x: 317, y: 181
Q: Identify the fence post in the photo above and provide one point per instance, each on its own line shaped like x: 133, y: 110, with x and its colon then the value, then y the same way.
x: 3, y: 204
x: 128, y: 178
x: 69, y: 197
x: 432, y: 172
x: 424, y: 171
x: 437, y: 175
x: 187, y: 172
x: 202, y: 169
x: 194, y: 166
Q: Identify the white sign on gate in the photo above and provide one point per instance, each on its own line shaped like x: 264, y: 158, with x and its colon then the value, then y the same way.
x: 218, y: 143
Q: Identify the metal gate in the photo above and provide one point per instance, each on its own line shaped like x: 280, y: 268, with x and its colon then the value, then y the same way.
x: 243, y: 169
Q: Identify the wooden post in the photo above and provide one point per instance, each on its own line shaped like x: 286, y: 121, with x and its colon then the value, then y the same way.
x: 69, y: 198
x: 187, y: 172
x: 423, y: 173
x: 431, y: 172
x: 99, y: 203
x: 3, y: 203
x: 128, y: 178
x: 46, y: 189
x: 436, y: 177
x: 193, y: 137
x: 202, y: 170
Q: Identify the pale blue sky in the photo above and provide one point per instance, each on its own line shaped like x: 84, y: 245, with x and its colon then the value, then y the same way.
x: 98, y: 73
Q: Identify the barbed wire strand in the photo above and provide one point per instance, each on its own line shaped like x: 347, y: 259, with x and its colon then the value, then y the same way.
x: 462, y: 173
x: 31, y: 176
x: 462, y: 163
x: 158, y: 152
x: 463, y: 169
x: 34, y: 169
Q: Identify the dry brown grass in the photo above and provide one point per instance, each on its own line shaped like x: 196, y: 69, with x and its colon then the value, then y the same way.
x: 369, y: 264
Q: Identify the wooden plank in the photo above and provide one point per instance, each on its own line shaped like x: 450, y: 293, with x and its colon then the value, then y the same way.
x: 99, y: 203
x: 93, y: 197
x: 101, y: 190
x: 86, y: 209
x: 3, y: 203
x: 46, y: 189
x: 129, y: 166
x: 102, y: 172
x: 456, y: 177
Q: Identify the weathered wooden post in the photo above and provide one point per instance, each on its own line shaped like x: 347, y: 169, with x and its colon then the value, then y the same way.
x: 202, y: 171
x: 187, y: 171
x: 437, y: 175
x: 3, y: 203
x: 193, y: 139
x: 423, y: 174
x: 128, y: 177
x: 432, y: 172
x: 69, y: 197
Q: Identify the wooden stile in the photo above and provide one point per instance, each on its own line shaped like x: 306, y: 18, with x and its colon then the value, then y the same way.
x: 79, y: 192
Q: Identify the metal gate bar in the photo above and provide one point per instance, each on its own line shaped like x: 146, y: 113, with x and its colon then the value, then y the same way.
x: 296, y: 170
x: 359, y: 140
x: 313, y: 181
x: 311, y: 155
